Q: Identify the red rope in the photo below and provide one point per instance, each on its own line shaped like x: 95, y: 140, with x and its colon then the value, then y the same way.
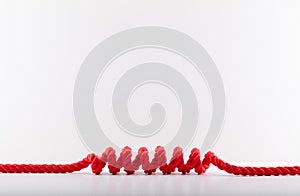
x: 142, y: 160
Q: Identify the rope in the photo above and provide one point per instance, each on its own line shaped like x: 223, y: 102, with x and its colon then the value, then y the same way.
x: 142, y: 160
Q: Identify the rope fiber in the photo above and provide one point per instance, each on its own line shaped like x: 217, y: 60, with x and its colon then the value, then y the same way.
x: 141, y: 160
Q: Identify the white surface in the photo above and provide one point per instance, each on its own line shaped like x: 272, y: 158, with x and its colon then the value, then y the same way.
x: 85, y: 183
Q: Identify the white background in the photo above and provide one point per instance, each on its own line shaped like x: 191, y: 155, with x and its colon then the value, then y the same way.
x: 255, y: 45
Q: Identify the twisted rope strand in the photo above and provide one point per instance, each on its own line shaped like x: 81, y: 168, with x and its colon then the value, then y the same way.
x: 142, y: 160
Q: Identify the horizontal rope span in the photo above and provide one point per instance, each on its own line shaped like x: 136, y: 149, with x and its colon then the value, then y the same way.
x: 142, y: 160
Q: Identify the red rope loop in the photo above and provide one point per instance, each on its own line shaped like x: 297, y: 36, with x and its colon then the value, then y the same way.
x: 142, y: 160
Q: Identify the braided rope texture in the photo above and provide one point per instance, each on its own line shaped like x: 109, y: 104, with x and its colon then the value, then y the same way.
x: 142, y: 160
